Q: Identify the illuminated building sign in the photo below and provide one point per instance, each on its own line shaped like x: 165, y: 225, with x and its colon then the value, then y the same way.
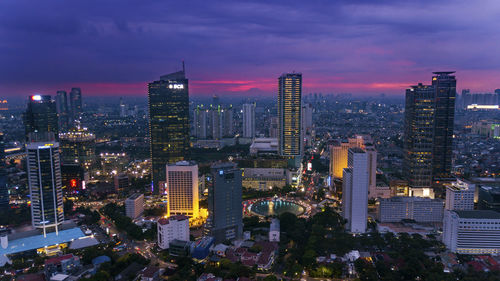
x: 176, y: 86
x: 479, y: 106
x: 36, y: 97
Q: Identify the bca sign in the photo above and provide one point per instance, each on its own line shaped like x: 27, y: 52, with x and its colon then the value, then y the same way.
x: 176, y: 86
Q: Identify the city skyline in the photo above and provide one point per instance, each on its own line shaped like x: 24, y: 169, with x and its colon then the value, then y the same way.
x: 345, y: 47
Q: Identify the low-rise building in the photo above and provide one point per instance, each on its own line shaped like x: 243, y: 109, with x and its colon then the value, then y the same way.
x: 274, y: 230
x: 263, y: 178
x: 472, y: 232
x: 419, y: 209
x: 134, y: 206
x: 173, y: 228
x: 489, y: 198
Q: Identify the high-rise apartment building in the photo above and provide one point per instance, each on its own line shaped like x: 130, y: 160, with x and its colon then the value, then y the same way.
x: 429, y: 115
x: 168, y: 101
x: 355, y: 190
x: 41, y: 115
x: 460, y: 196
x: 289, y: 115
x: 173, y: 228
x: 307, y: 119
x: 75, y: 102
x: 227, y: 122
x: 200, y: 122
x: 4, y: 190
x: 339, y: 155
x: 182, y: 189
x: 44, y: 177
x: 249, y: 120
x: 216, y: 123
x: 134, y: 205
x: 224, y: 203
x: 62, y: 109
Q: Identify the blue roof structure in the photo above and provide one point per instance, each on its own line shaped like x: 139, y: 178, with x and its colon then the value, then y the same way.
x: 38, y: 241
x: 101, y: 259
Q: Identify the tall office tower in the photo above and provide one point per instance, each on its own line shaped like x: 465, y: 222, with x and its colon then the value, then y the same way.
x: 182, y: 189
x: 445, y: 86
x: 227, y: 122
x: 4, y: 190
x: 216, y: 123
x: 339, y: 156
x: 429, y: 115
x: 273, y: 128
x: 78, y: 147
x: 465, y: 98
x: 224, y: 203
x: 307, y: 121
x: 460, y: 196
x: 123, y: 109
x: 44, y: 178
x: 355, y: 191
x: 41, y: 115
x: 75, y: 103
x: 62, y: 109
x: 200, y: 122
x: 289, y: 114
x: 249, y: 120
x: 168, y: 123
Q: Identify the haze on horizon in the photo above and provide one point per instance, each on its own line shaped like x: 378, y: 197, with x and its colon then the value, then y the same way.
x: 241, y: 47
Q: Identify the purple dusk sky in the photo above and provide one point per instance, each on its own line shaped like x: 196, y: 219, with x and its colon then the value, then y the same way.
x: 241, y: 47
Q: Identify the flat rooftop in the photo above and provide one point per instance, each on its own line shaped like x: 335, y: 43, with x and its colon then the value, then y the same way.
x: 478, y: 214
x: 38, y: 241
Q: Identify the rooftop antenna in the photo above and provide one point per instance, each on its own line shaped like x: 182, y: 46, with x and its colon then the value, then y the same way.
x: 183, y: 68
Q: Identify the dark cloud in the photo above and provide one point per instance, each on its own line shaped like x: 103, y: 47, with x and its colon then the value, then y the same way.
x: 44, y: 44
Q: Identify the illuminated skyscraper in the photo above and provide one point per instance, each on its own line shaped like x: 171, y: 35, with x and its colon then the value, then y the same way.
x: 289, y: 114
x: 182, y: 189
x: 41, y: 115
x: 78, y: 147
x: 75, y: 102
x: 168, y: 123
x: 200, y: 122
x: 429, y: 115
x: 44, y: 177
x: 249, y: 120
x: 227, y: 122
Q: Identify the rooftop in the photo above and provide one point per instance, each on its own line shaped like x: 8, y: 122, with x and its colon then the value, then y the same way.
x: 38, y: 241
x: 478, y: 214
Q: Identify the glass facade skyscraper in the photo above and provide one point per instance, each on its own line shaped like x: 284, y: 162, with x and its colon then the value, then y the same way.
x: 168, y: 101
x: 224, y: 203
x: 44, y: 178
x: 289, y: 114
x: 41, y: 115
x: 429, y: 115
x: 75, y: 102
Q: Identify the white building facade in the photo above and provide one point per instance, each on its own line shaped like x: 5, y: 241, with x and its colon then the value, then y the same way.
x: 175, y: 227
x: 355, y: 191
x: 460, y: 196
x: 274, y: 230
x: 472, y: 232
